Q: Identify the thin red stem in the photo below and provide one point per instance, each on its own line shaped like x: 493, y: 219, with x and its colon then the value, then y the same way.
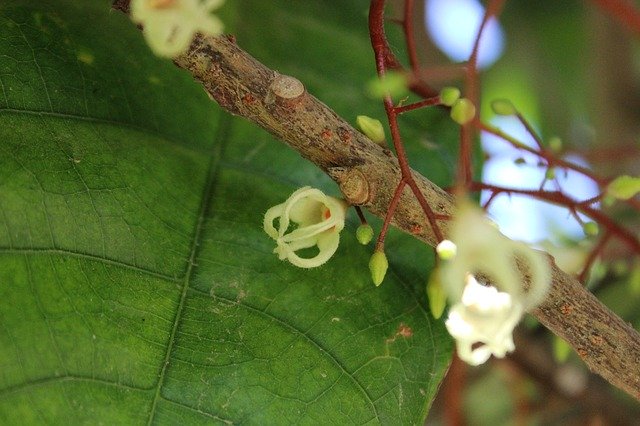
x: 560, y: 198
x: 531, y: 131
x: 407, y: 26
x: 544, y: 155
x: 593, y: 256
x: 465, y: 172
x: 416, y: 105
x: 493, y: 196
x: 380, y: 48
x: 389, y: 216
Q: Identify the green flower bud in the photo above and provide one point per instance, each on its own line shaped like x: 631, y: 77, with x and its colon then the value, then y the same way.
x: 448, y: 95
x: 519, y: 161
x: 371, y: 127
x: 463, y: 111
x: 503, y: 107
x: 550, y: 173
x: 436, y: 295
x: 378, y: 266
x: 624, y: 187
x: 561, y: 349
x: 446, y: 250
x: 555, y: 143
x: 364, y: 234
x: 591, y: 229
x: 393, y: 83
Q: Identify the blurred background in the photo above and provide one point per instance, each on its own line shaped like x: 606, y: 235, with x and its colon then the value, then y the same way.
x: 574, y: 72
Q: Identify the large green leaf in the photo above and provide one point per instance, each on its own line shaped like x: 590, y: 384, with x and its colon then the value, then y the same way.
x: 136, y: 283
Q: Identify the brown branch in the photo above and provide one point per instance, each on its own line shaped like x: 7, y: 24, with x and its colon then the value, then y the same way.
x: 368, y: 175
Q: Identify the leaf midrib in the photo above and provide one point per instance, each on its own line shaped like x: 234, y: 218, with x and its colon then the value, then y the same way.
x: 221, y: 137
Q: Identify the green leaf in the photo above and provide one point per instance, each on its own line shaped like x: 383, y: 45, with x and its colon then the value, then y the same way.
x: 137, y: 285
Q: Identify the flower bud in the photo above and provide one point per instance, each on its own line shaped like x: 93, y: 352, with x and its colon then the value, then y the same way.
x: 436, y: 295
x: 446, y: 250
x: 393, y: 83
x: 555, y: 144
x: 463, y: 111
x: 591, y: 229
x: 449, y: 95
x: 550, y: 173
x: 371, y: 127
x: 378, y: 266
x: 364, y: 234
x: 624, y: 187
x: 503, y: 107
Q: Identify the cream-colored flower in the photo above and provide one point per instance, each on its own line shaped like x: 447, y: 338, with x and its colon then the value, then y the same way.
x: 483, y: 315
x: 319, y: 219
x: 170, y: 25
x: 487, y: 314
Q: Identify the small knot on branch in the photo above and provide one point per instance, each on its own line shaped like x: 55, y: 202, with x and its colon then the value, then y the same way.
x: 354, y: 185
x: 285, y: 91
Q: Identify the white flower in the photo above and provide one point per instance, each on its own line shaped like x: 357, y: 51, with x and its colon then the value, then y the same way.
x: 319, y: 219
x: 487, y: 315
x: 483, y: 315
x: 170, y: 25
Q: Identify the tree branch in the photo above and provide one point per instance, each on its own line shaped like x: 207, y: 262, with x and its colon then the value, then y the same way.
x: 368, y: 175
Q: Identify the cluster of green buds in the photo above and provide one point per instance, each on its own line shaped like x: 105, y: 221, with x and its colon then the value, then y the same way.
x: 462, y: 109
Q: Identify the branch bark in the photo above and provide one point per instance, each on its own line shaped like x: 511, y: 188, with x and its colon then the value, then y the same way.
x: 368, y: 174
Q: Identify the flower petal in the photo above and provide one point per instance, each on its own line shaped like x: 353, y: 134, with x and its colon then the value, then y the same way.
x: 306, y: 211
x: 327, y: 245
x: 271, y: 214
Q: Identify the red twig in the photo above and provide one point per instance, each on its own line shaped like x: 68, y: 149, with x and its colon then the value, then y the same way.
x: 465, y: 172
x: 416, y: 85
x: 383, y: 55
x: 557, y: 197
x: 387, y: 219
x: 592, y: 256
x: 407, y: 26
x: 417, y: 105
x: 546, y: 156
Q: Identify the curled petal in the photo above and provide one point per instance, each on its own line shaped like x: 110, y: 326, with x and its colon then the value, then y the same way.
x: 300, y: 194
x: 319, y: 219
x: 539, y: 271
x: 272, y: 214
x: 327, y: 245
